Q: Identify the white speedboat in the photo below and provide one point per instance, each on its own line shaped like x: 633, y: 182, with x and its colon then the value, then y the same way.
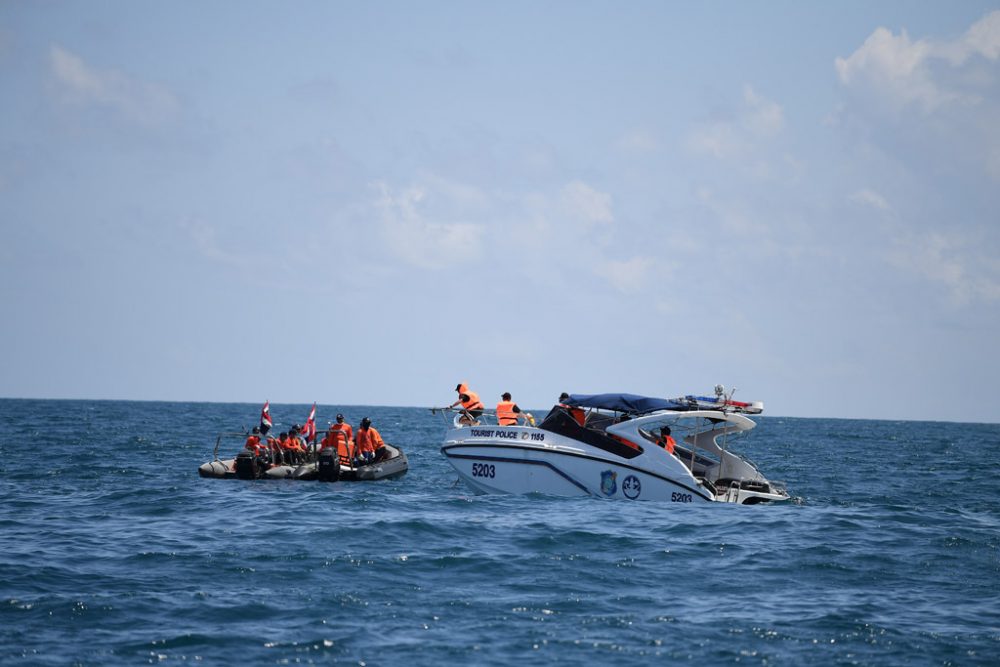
x: 605, y: 445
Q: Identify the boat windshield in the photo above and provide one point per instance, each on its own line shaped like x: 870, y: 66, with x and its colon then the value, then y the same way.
x: 700, y: 439
x: 684, y: 426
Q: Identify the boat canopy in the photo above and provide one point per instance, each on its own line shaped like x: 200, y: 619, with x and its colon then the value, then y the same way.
x: 628, y: 403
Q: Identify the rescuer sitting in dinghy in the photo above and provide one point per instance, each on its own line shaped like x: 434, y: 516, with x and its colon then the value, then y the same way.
x: 369, y: 445
x: 291, y: 449
x: 253, y: 441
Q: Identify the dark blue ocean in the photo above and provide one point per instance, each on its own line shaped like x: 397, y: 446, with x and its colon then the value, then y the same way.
x: 115, y: 551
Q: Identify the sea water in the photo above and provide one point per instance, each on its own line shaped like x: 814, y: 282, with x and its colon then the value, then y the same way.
x: 115, y: 551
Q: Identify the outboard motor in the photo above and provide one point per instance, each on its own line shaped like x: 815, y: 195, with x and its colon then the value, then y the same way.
x: 328, y: 466
x: 246, y: 465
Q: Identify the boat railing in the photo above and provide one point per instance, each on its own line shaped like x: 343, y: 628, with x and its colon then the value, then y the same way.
x: 340, y: 436
x: 733, y: 491
x: 226, y: 434
x: 460, y: 417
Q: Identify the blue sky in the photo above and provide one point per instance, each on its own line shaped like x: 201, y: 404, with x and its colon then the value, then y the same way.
x: 367, y: 203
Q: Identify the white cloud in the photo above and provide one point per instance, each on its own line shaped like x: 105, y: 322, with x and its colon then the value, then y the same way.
x: 414, y: 235
x: 871, y: 198
x: 138, y: 101
x: 733, y: 218
x: 584, y: 203
x: 904, y: 72
x: 895, y: 66
x: 993, y: 162
x: 928, y: 101
x: 949, y: 261
x: 626, y: 275
x: 756, y: 120
x: 762, y: 116
x: 983, y: 39
x: 637, y: 142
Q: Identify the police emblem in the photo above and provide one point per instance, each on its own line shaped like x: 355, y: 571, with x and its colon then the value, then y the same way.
x: 631, y: 487
x: 608, y: 483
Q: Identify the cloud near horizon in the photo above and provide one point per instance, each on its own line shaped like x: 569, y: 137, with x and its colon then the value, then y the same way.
x: 967, y: 273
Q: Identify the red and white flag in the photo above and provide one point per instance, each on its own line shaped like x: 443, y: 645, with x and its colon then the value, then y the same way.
x: 265, y: 418
x: 309, y: 430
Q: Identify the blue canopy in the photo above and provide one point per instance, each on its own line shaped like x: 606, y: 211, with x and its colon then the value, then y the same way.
x: 629, y: 403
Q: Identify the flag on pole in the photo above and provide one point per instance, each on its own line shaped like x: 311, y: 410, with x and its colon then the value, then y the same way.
x: 265, y: 418
x: 309, y: 431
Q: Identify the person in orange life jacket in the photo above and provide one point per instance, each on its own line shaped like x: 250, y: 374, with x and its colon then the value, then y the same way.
x: 341, y: 425
x: 666, y: 440
x: 368, y: 443
x: 253, y: 441
x: 344, y: 432
x: 300, y: 441
x: 290, y: 448
x: 507, y: 411
x: 577, y: 413
x: 471, y: 405
x: 340, y: 436
x: 271, y: 448
x: 282, y: 452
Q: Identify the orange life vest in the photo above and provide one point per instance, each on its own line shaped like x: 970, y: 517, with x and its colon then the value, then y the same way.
x: 340, y: 436
x: 577, y: 413
x: 506, y: 416
x: 345, y: 450
x: 253, y: 444
x: 668, y: 443
x: 344, y: 430
x: 628, y: 443
x: 290, y: 443
x: 473, y: 403
x: 368, y: 440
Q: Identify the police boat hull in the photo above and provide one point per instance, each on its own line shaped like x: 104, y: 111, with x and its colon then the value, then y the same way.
x: 610, y: 458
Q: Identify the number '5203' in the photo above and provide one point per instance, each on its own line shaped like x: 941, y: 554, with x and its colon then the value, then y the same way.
x: 484, y: 470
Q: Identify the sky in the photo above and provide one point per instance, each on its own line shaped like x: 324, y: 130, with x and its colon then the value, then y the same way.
x: 368, y: 203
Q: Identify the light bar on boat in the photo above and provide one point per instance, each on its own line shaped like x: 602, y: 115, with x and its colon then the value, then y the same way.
x: 713, y: 403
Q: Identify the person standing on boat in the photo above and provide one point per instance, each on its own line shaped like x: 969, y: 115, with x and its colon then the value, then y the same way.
x: 666, y: 440
x: 507, y: 411
x: 577, y: 413
x: 368, y: 443
x: 341, y: 436
x: 471, y: 405
x: 343, y: 426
